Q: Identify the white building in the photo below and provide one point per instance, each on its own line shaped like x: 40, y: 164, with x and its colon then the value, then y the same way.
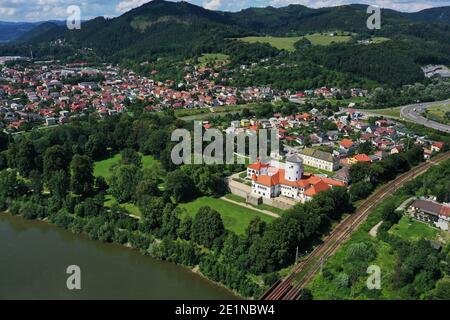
x: 319, y: 159
x: 290, y: 181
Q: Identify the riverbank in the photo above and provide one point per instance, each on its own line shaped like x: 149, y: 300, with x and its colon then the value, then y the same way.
x: 109, y: 265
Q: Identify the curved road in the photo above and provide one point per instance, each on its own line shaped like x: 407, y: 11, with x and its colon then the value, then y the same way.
x: 413, y: 112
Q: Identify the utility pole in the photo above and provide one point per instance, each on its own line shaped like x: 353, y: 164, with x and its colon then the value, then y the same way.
x: 296, y: 255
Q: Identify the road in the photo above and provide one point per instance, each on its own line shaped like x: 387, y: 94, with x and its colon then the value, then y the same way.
x: 290, y: 287
x: 413, y: 112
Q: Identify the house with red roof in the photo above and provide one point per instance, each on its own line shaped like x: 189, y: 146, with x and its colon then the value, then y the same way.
x: 437, y: 146
x: 362, y: 157
x: 346, y: 145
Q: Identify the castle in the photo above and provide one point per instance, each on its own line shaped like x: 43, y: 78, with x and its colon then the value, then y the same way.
x: 291, y: 181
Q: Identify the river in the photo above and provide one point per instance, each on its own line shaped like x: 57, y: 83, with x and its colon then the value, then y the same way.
x: 34, y: 256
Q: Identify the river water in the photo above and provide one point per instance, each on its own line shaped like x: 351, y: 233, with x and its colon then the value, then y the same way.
x: 34, y: 256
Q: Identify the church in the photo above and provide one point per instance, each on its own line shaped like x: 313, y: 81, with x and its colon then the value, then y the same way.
x: 291, y: 181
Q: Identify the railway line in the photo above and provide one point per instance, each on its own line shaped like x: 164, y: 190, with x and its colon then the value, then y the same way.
x: 287, y: 289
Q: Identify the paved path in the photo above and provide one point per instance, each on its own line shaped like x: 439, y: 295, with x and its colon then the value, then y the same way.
x: 268, y: 213
x: 413, y: 112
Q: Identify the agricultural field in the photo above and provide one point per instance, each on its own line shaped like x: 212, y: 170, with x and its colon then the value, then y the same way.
x: 287, y: 43
x: 235, y: 217
x: 281, y: 43
x: 325, y: 39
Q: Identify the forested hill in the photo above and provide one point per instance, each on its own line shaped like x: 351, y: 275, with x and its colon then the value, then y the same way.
x: 166, y: 34
x: 441, y: 15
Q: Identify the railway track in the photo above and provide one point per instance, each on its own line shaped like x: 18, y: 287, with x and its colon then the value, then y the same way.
x: 286, y: 289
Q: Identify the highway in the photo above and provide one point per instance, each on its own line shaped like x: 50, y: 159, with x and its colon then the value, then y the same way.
x: 290, y: 287
x: 413, y: 112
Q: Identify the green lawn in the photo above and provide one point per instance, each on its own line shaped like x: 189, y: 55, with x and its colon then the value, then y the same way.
x: 438, y: 113
x: 313, y: 170
x: 410, y: 229
x: 391, y: 112
x: 130, y: 207
x: 102, y: 168
x: 235, y: 218
x: 261, y: 206
x: 379, y: 39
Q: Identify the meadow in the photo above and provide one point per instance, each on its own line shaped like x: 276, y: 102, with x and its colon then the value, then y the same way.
x: 287, y: 43
x: 103, y: 169
x: 235, y: 217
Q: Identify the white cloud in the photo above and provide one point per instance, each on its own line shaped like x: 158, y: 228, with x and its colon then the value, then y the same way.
x: 7, y: 11
x: 400, y: 5
x: 127, y: 5
x: 212, y: 4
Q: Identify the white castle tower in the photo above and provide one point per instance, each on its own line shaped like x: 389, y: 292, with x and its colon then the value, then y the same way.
x: 294, y: 168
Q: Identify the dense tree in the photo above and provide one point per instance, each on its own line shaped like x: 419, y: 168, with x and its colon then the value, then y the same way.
x: 58, y: 184
x: 22, y: 156
x: 55, y: 159
x: 153, y: 210
x: 180, y: 186
x: 207, y: 227
x: 171, y: 222
x: 123, y: 182
x: 82, y: 178
x: 145, y: 189
x: 130, y: 156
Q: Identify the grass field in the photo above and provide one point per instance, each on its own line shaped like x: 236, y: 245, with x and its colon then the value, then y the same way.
x: 390, y: 112
x: 102, y: 168
x: 261, y: 206
x: 325, y: 285
x: 287, y: 43
x: 215, y: 58
x: 282, y: 43
x: 313, y: 170
x: 438, y: 113
x: 410, y: 229
x: 235, y: 218
x: 325, y: 39
x: 130, y: 207
x: 379, y: 39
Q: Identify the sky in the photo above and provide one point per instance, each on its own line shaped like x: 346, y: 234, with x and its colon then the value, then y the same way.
x: 41, y: 10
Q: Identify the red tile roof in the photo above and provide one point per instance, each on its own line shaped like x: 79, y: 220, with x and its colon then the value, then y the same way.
x: 362, y: 158
x: 258, y: 165
x: 315, y: 189
x: 346, y: 143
